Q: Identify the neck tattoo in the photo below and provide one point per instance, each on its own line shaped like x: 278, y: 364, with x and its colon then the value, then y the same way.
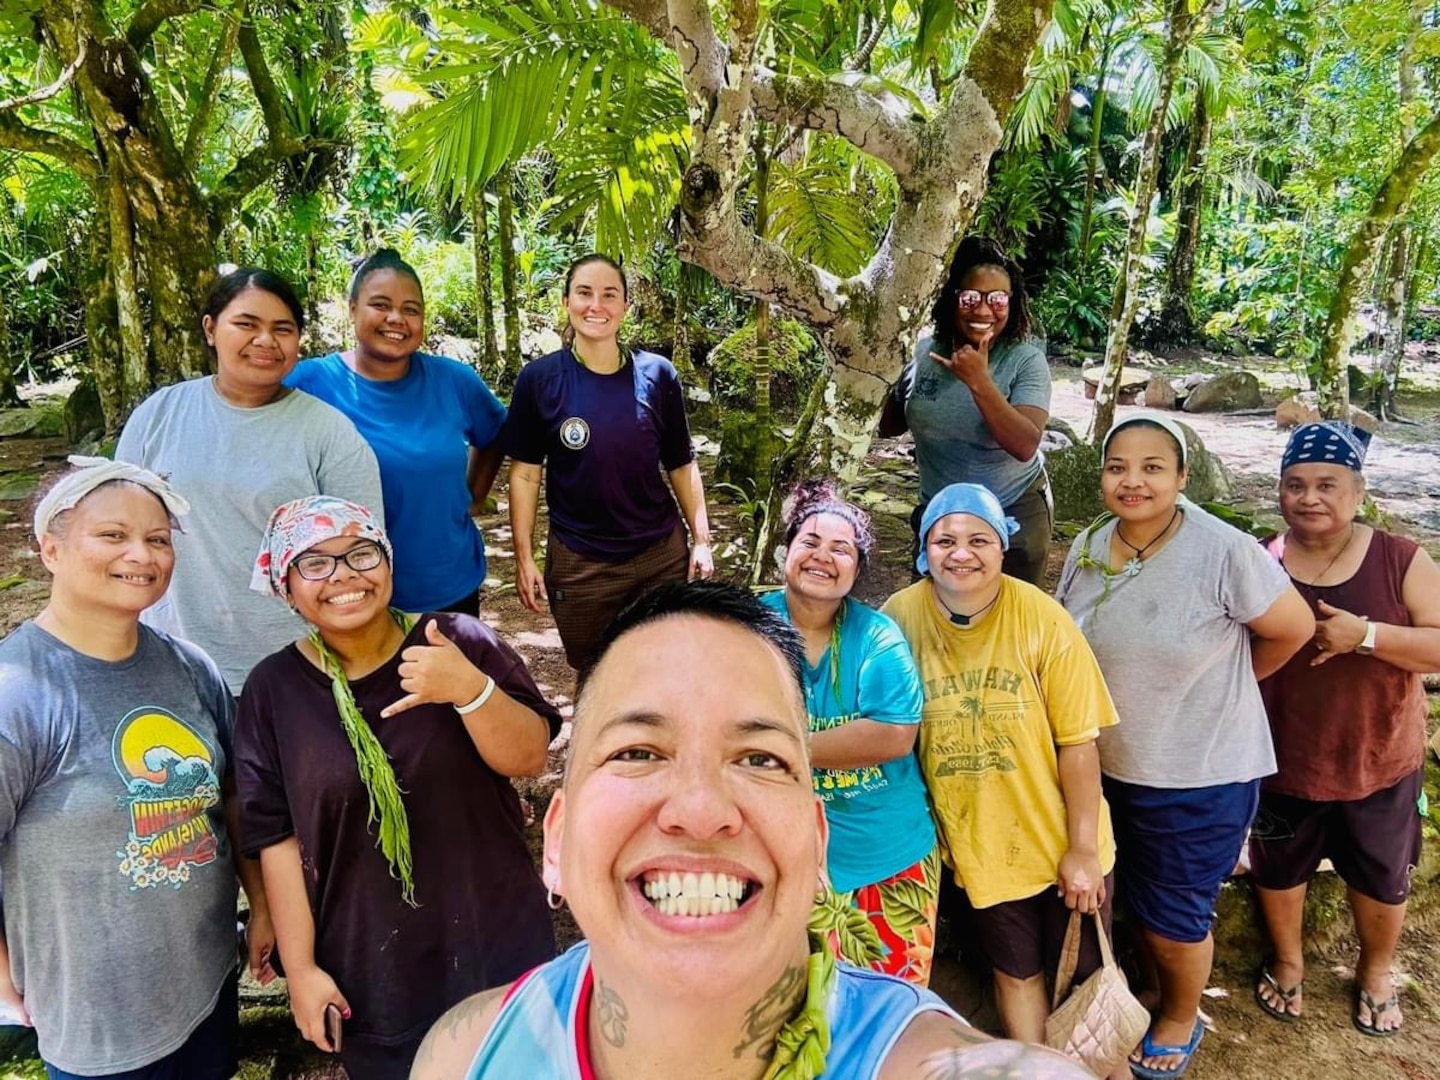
x: 1136, y: 562
x: 1314, y: 582
x: 960, y: 619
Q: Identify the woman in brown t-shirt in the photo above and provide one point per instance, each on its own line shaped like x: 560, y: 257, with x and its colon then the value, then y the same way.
x: 1348, y: 717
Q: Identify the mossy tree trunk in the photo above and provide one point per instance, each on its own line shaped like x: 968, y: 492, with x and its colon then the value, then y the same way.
x: 1395, y: 290
x: 8, y: 394
x: 864, y: 322
x: 1092, y: 154
x: 509, y: 276
x: 1177, y: 312
x: 156, y: 230
x: 1341, y: 326
x: 1183, y: 25
x: 484, y: 284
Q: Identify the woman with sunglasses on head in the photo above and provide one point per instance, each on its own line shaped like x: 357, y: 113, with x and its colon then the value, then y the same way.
x: 980, y: 397
x: 374, y: 758
x: 238, y: 443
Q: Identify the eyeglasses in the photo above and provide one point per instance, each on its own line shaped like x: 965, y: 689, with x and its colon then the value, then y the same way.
x: 996, y: 299
x: 318, y: 567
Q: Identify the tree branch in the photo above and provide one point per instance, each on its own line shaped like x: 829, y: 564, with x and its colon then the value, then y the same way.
x: 16, y: 135
x: 254, y: 168
x: 882, y: 125
x: 47, y: 92
x: 651, y: 14
x: 150, y: 17
x: 999, y: 58
x: 267, y: 93
x: 200, y: 119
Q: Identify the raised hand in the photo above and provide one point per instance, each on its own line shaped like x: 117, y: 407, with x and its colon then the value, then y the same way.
x: 436, y: 672
x: 969, y: 363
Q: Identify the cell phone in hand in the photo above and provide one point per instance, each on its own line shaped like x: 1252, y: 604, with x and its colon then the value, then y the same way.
x: 333, y: 1028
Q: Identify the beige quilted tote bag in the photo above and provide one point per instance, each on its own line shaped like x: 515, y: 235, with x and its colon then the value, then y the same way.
x: 1101, y: 1021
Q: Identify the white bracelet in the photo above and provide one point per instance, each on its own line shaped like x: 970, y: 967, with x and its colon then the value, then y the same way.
x: 480, y: 699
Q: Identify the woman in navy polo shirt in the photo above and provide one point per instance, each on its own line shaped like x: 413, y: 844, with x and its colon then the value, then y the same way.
x: 434, y: 426
x: 604, y: 421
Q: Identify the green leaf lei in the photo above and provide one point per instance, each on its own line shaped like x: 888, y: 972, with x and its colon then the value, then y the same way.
x: 376, y: 772
x: 803, y: 1043
x: 1084, y: 560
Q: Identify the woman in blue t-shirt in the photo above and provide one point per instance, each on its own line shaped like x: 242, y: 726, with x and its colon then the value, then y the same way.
x: 862, y: 693
x: 434, y: 426
x: 603, y: 422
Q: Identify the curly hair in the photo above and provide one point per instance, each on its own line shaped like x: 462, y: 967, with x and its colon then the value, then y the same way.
x: 818, y: 496
x: 973, y: 253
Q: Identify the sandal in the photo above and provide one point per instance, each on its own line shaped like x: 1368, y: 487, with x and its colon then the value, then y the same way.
x: 1377, y: 1009
x: 1184, y: 1053
x: 1278, y: 1009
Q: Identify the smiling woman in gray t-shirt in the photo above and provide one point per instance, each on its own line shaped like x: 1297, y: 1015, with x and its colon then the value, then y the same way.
x: 1184, y: 614
x: 119, y: 886
x: 980, y: 398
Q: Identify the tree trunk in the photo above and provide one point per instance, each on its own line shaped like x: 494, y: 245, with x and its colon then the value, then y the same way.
x: 8, y: 393
x: 134, y: 360
x: 680, y: 335
x: 102, y: 321
x: 484, y: 287
x: 1177, y: 315
x: 1092, y: 157
x: 312, y: 288
x: 747, y: 438
x: 509, y: 283
x: 1182, y: 28
x: 1340, y: 325
x: 1395, y: 303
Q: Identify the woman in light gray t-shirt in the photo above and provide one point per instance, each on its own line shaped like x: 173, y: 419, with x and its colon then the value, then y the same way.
x: 239, y: 443
x: 1184, y: 614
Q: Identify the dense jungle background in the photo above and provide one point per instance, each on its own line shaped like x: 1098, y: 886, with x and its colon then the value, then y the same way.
x: 1227, y: 200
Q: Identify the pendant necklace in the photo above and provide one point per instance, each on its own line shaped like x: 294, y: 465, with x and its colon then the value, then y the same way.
x: 1136, y: 562
x: 965, y: 620
x: 1315, y: 582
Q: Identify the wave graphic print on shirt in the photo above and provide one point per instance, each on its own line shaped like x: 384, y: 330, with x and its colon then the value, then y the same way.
x: 171, y: 786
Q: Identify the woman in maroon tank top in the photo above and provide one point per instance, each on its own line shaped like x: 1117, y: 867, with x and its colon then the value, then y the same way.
x: 1348, y: 717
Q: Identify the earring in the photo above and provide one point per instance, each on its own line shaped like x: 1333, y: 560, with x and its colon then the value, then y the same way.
x: 553, y: 900
x: 823, y: 889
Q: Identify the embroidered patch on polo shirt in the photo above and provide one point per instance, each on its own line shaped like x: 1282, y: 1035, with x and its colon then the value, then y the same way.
x: 575, y: 433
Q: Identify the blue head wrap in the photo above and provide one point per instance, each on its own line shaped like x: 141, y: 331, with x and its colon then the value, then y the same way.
x: 1330, y: 442
x: 966, y: 499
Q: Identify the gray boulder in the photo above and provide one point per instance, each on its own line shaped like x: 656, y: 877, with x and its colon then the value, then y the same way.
x: 1230, y: 392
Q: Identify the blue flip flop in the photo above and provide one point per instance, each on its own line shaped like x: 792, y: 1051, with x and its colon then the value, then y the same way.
x: 1185, y: 1053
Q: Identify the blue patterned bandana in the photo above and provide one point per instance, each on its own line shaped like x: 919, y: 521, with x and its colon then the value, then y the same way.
x: 1330, y: 442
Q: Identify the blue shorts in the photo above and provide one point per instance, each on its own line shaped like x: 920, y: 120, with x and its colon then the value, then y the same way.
x: 208, y: 1054
x: 1174, y: 848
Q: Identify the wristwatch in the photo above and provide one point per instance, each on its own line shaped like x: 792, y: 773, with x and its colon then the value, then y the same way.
x: 1366, y: 647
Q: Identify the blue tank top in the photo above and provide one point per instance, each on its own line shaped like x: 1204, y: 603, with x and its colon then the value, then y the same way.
x: 540, y: 1031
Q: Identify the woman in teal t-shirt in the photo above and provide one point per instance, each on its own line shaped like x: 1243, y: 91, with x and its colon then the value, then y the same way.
x: 862, y: 693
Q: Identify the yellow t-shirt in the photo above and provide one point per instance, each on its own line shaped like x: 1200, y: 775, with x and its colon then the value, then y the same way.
x: 1000, y: 697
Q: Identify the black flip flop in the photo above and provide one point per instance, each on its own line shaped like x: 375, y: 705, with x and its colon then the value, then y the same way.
x: 1280, y: 1011
x: 1377, y: 1010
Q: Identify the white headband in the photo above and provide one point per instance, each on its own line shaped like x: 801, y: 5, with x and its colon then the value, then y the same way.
x: 89, y: 474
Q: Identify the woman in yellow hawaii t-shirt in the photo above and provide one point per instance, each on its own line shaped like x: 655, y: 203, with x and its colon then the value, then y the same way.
x: 1014, y: 701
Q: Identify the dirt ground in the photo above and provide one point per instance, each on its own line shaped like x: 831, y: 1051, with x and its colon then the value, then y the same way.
x: 1242, y: 1043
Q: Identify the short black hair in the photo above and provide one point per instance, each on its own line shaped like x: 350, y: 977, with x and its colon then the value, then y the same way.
x: 228, y: 286
x: 382, y: 259
x: 973, y: 253
x: 706, y: 600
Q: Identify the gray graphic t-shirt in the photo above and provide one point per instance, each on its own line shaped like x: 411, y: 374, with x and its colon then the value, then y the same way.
x: 118, y: 884
x: 952, y: 442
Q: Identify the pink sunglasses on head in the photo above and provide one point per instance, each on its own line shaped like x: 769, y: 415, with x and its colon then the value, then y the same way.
x: 969, y: 299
